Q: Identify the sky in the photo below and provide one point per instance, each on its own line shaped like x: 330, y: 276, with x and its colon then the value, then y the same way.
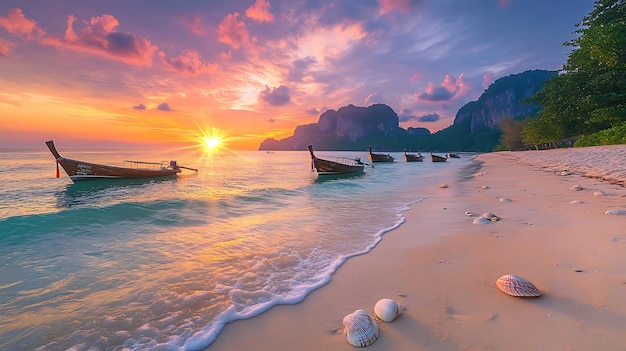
x: 156, y: 72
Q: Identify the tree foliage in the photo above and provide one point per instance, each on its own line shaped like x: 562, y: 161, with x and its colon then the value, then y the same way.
x: 590, y: 95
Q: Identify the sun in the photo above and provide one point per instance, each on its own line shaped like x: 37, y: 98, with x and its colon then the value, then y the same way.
x: 211, y: 142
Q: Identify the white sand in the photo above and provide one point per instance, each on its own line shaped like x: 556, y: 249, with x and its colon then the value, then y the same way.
x: 442, y: 268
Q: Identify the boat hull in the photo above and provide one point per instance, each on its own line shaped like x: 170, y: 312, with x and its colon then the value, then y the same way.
x: 81, y: 171
x: 325, y: 168
x: 413, y: 158
x: 437, y: 158
x: 379, y: 157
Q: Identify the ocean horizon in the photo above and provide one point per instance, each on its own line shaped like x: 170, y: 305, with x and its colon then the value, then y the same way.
x: 165, y: 264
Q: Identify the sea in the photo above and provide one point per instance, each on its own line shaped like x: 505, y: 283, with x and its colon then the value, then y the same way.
x: 165, y: 264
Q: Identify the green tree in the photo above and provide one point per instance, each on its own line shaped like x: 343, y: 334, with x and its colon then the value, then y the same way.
x: 511, y: 137
x: 590, y: 94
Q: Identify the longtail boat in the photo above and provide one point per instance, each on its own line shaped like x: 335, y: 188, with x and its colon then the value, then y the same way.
x: 379, y: 157
x: 413, y: 157
x: 347, y: 166
x: 437, y: 158
x: 451, y: 155
x: 79, y: 170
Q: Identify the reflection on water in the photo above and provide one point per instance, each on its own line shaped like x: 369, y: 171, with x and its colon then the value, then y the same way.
x: 90, y: 191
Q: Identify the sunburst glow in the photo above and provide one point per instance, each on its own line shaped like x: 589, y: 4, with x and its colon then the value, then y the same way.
x: 211, y: 140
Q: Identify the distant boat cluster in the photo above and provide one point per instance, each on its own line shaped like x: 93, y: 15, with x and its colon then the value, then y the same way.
x: 353, y: 166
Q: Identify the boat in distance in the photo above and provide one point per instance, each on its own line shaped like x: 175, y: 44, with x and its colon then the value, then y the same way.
x: 343, y: 166
x: 379, y: 157
x: 453, y: 155
x: 413, y: 157
x: 437, y: 158
x: 79, y: 170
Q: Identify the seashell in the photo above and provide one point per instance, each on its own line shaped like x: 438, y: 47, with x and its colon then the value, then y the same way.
x: 616, y: 212
x: 470, y: 214
x: 387, y: 309
x: 481, y: 220
x: 485, y: 187
x: 598, y: 193
x: 576, y: 188
x: 575, y: 202
x: 443, y: 186
x: 517, y: 286
x: 564, y: 173
x: 490, y: 216
x: 361, y: 328
x: 505, y: 199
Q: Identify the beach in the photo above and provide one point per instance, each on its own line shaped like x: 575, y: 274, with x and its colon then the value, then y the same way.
x: 441, y: 267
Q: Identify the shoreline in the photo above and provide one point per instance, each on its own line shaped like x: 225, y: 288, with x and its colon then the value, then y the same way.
x: 442, y: 269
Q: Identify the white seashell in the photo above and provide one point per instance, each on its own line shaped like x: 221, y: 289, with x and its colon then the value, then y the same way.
x: 361, y: 328
x: 598, y: 193
x: 564, y: 173
x: 470, y: 214
x: 485, y: 187
x: 490, y: 216
x: 517, y: 286
x: 505, y: 199
x: 616, y: 212
x: 443, y: 186
x: 387, y: 309
x: 481, y: 220
x: 576, y: 188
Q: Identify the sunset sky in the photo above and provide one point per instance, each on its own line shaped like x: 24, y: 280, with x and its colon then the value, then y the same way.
x: 133, y: 73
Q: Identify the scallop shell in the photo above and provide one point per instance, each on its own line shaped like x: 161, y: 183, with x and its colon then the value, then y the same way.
x: 481, y: 220
x: 387, y: 309
x: 576, y: 188
x: 616, y: 212
x: 517, y: 286
x: 490, y: 216
x: 361, y: 328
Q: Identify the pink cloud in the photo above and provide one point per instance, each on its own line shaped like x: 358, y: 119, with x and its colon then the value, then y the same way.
x: 188, y: 62
x: 415, y: 77
x: 5, y: 47
x: 196, y: 25
x: 100, y: 37
x: 17, y: 23
x: 397, y: 5
x: 233, y: 32
x: 488, y: 78
x: 451, y: 88
x: 260, y: 11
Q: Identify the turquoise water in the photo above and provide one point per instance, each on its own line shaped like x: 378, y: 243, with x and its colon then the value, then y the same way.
x: 164, y: 264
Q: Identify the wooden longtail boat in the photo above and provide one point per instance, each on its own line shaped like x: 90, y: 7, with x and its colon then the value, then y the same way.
x: 437, y: 158
x: 379, y: 157
x: 326, y: 167
x: 451, y: 155
x: 79, y: 170
x: 413, y: 157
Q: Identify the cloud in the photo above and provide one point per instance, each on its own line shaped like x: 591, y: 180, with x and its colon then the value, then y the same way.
x: 315, y: 112
x: 488, y: 78
x: 275, y: 97
x: 300, y: 69
x: 139, y: 107
x: 16, y: 23
x: 188, y: 62
x: 164, y: 106
x: 99, y: 37
x: 450, y: 89
x: 397, y: 5
x: 374, y: 98
x: 233, y: 32
x: 260, y: 11
x: 196, y: 25
x: 406, y: 116
x: 5, y: 47
x: 431, y: 117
